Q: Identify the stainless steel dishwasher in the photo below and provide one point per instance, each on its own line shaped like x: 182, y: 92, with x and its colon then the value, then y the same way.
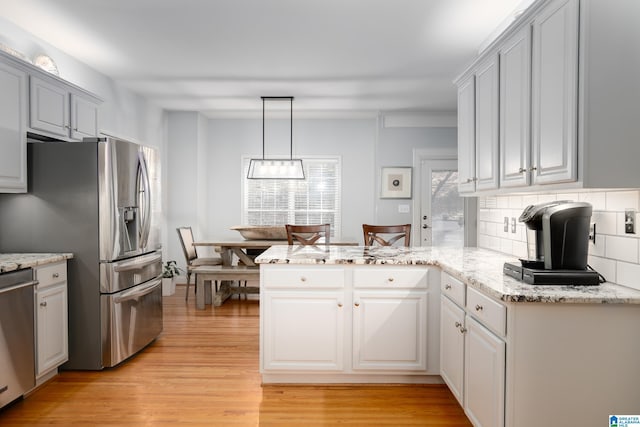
x: 17, y: 357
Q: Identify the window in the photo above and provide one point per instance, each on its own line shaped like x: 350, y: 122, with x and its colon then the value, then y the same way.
x: 314, y: 200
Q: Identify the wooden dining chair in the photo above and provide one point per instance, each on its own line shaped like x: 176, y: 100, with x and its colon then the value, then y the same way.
x: 185, y: 235
x: 308, y: 234
x: 392, y: 234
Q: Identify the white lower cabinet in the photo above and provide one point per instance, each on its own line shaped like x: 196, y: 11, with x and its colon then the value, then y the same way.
x: 52, y: 348
x: 389, y: 330
x: 452, y: 347
x: 484, y: 374
x: 472, y: 358
x: 305, y: 330
x: 347, y: 324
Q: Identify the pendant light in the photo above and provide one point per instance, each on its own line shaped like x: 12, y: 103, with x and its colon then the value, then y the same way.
x: 276, y: 168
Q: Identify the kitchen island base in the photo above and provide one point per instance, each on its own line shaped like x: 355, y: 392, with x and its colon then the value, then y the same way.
x: 307, y: 378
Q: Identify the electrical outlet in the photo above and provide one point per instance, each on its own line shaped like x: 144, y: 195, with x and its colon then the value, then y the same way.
x: 506, y: 224
x: 630, y: 221
x: 592, y: 232
x: 513, y: 224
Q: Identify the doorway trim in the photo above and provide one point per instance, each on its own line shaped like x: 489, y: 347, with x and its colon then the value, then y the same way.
x: 470, y: 203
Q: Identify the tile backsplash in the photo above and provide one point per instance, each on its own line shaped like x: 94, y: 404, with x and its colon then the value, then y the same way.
x: 615, y: 254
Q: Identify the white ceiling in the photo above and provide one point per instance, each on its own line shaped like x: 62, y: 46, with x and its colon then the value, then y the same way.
x: 220, y: 56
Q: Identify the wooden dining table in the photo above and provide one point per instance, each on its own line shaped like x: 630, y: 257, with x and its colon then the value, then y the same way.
x: 246, y: 252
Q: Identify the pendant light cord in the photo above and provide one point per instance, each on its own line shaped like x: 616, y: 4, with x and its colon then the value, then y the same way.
x: 290, y: 98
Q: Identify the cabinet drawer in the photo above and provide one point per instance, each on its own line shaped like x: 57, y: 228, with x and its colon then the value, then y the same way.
x: 50, y: 274
x: 453, y: 288
x: 326, y: 277
x: 390, y: 277
x: 489, y: 312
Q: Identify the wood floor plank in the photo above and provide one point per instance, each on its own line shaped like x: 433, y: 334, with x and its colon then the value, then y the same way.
x: 203, y: 371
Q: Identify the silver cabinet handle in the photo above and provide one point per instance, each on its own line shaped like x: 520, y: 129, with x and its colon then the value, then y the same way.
x: 522, y: 170
x: 479, y: 307
x: 463, y: 330
x: 357, y: 304
x: 55, y: 275
x: 458, y: 324
x: 390, y: 279
x: 533, y: 168
x: 339, y: 304
x: 447, y: 286
x: 43, y: 304
x: 303, y: 279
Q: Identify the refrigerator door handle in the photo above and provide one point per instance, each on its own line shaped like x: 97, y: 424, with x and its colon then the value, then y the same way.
x: 144, y: 200
x: 137, y: 264
x: 137, y: 292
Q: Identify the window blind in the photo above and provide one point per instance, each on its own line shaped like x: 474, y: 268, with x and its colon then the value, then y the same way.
x: 314, y: 200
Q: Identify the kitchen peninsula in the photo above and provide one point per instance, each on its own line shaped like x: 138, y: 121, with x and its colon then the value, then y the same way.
x: 513, y: 354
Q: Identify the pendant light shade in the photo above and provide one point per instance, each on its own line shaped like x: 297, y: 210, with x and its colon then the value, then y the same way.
x: 276, y: 168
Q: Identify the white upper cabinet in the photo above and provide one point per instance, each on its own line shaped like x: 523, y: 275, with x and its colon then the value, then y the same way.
x: 555, y: 93
x: 13, y: 137
x: 515, y: 99
x: 59, y: 111
x: 487, y: 124
x: 467, y: 135
x: 567, y: 96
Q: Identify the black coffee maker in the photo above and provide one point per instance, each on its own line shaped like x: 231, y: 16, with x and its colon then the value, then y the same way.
x: 557, y: 245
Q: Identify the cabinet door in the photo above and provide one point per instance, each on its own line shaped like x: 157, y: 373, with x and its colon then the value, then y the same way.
x: 303, y: 330
x: 52, y: 333
x: 484, y: 376
x: 452, y: 347
x: 84, y: 118
x: 515, y: 99
x: 13, y: 142
x: 49, y: 109
x: 467, y: 135
x: 554, y: 93
x: 487, y: 142
x: 390, y: 330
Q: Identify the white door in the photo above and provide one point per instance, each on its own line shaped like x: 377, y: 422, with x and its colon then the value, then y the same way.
x: 13, y: 113
x: 484, y: 376
x: 303, y: 330
x: 555, y: 93
x: 515, y: 101
x: 389, y: 330
x: 452, y: 346
x: 487, y: 111
x: 467, y: 134
x: 442, y: 209
x: 52, y: 327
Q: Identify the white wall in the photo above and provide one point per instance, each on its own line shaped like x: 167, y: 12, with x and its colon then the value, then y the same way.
x: 395, y: 148
x: 229, y: 140
x: 615, y: 255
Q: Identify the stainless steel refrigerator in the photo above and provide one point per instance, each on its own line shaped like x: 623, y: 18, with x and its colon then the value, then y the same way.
x: 98, y: 200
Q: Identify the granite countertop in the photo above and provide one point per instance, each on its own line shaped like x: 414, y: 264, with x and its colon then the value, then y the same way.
x: 478, y: 268
x: 11, y: 262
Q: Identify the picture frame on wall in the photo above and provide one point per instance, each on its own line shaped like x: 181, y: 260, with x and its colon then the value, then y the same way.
x: 396, y: 183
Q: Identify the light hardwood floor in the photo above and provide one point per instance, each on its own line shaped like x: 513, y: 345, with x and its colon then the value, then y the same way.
x: 203, y: 370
